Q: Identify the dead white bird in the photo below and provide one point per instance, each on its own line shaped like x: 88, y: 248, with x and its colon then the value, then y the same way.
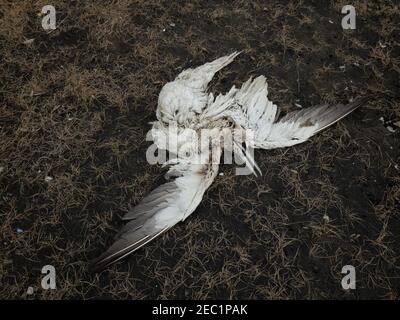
x: 184, y: 103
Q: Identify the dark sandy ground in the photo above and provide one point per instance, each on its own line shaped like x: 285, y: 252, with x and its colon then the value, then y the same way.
x: 75, y: 105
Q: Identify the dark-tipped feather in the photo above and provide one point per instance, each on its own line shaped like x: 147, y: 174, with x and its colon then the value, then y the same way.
x: 120, y: 249
x: 323, y: 115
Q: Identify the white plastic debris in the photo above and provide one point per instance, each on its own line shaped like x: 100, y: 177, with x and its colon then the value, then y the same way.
x: 172, y: 24
x: 48, y: 179
x: 29, y: 291
x: 298, y: 105
x: 221, y: 173
x: 28, y: 41
x: 391, y: 129
x: 383, y: 45
x: 19, y: 230
x: 326, y: 218
x: 343, y: 68
x: 330, y: 21
x: 382, y: 119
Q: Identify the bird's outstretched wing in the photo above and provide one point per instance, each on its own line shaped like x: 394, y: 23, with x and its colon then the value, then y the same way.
x: 164, y: 207
x: 186, y: 96
x: 298, y: 126
x: 251, y: 109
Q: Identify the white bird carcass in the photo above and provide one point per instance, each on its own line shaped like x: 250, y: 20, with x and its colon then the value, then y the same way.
x: 185, y: 105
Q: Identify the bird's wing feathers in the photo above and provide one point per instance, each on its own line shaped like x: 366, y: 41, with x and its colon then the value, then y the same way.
x: 298, y: 126
x: 161, y: 209
x: 246, y: 106
x: 257, y: 110
x: 251, y: 109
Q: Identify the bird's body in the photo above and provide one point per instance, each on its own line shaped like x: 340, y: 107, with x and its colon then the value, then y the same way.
x: 184, y: 110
